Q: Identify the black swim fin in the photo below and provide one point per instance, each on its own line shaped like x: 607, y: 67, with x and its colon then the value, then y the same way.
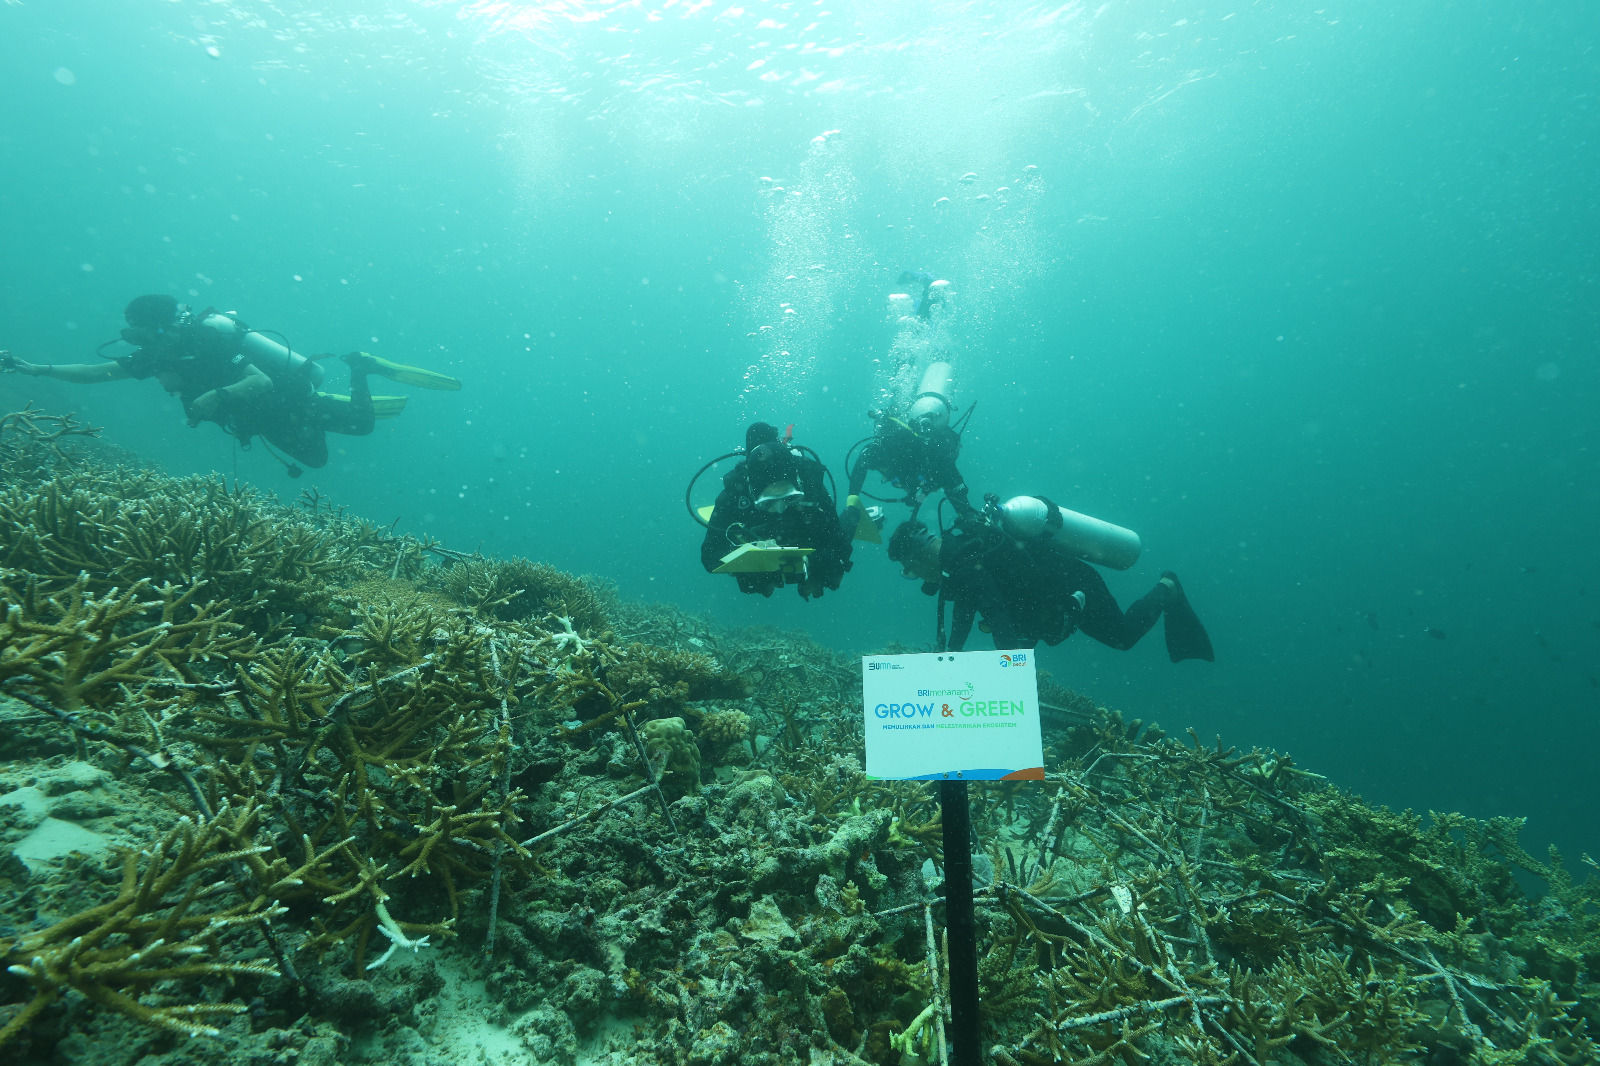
x: 1186, y: 637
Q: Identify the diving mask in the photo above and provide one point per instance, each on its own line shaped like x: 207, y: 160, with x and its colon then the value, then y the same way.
x: 148, y: 336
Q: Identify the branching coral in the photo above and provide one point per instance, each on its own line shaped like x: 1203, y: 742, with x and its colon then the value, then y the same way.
x: 178, y: 916
x: 31, y: 443
x: 401, y: 765
x: 519, y: 589
x: 79, y: 649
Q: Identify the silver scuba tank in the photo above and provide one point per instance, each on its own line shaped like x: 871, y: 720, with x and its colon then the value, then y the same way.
x: 931, y: 408
x: 278, y: 361
x: 1098, y: 541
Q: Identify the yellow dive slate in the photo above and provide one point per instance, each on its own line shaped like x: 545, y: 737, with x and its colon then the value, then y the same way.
x: 866, y: 524
x: 763, y: 557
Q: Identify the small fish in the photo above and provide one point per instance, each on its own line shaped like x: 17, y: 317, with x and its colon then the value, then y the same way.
x: 1436, y: 634
x: 969, y: 177
x: 1372, y: 619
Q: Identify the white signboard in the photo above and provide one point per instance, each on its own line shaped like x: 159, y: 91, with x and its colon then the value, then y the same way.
x: 965, y: 714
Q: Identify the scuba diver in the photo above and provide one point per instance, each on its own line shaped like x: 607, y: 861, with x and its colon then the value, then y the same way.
x: 915, y: 441
x: 1025, y: 570
x: 246, y: 382
x: 916, y: 452
x: 774, y: 521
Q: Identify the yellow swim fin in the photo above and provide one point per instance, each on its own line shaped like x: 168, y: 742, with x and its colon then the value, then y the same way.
x: 387, y: 406
x: 382, y: 406
x: 410, y: 375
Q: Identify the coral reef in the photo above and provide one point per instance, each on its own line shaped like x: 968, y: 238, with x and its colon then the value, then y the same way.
x: 519, y: 589
x: 174, y: 918
x: 323, y: 772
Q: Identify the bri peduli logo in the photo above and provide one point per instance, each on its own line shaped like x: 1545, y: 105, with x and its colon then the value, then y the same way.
x: 1019, y: 659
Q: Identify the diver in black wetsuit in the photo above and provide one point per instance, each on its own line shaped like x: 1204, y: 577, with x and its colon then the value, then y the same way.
x: 919, y: 460
x: 1028, y: 591
x: 778, y: 494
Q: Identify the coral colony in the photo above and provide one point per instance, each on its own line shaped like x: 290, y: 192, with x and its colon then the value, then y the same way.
x: 325, y: 764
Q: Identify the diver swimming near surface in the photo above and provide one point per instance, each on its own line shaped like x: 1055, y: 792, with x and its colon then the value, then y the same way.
x: 931, y: 294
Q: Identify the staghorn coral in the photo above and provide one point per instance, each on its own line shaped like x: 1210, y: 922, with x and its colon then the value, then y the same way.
x: 81, y: 649
x: 61, y: 518
x: 194, y: 532
x: 675, y: 677
x: 36, y: 446
x: 519, y: 589
x: 177, y: 918
x: 399, y: 767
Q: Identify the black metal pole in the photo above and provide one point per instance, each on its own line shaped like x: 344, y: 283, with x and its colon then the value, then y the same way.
x: 960, y: 929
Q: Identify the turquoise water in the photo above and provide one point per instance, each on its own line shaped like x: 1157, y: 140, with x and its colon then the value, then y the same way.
x: 1306, y: 297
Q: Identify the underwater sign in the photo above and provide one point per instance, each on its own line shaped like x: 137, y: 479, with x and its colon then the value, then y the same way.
x: 967, y: 714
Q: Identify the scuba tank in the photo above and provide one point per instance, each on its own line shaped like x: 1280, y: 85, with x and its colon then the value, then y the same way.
x: 1036, y: 518
x: 277, y: 360
x: 931, y: 408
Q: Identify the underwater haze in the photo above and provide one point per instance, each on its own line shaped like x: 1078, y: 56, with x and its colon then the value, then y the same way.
x: 1308, y: 297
